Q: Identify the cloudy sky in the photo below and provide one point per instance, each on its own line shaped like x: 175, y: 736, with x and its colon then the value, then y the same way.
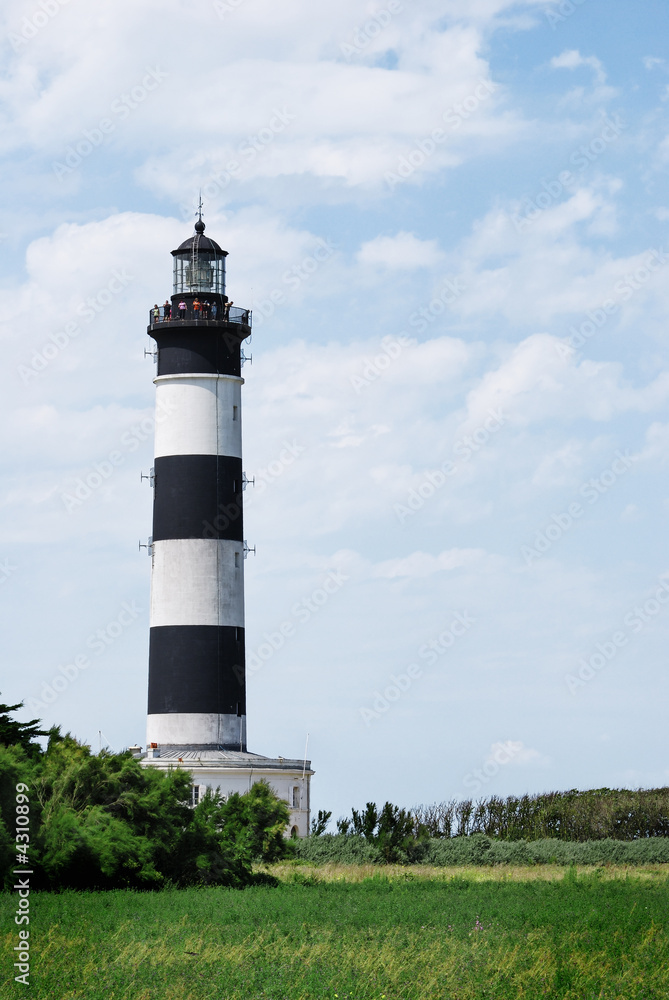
x: 450, y: 218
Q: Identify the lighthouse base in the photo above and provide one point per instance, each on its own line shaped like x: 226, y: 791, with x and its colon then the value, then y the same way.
x: 197, y: 730
x: 230, y: 771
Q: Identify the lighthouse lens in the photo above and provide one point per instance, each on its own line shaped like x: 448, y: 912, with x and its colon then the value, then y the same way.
x: 199, y: 274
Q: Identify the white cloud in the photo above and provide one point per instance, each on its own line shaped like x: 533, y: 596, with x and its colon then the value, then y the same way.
x: 536, y: 382
x: 580, y: 97
x: 514, y: 752
x: 650, y: 62
x: 562, y: 466
x: 422, y: 564
x: 572, y: 59
x: 537, y: 270
x: 340, y: 118
x: 401, y: 252
x: 656, y: 449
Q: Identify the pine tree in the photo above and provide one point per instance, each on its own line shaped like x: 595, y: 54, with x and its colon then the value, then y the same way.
x: 14, y: 733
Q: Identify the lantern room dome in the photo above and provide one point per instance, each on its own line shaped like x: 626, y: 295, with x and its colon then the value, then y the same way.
x: 203, y: 243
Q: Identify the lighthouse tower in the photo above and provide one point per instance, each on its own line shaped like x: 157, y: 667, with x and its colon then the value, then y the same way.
x: 196, y: 651
x: 197, y: 690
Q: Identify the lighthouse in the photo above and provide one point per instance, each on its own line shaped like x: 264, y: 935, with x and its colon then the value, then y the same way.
x: 197, y: 687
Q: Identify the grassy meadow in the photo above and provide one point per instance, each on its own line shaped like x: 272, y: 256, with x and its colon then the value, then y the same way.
x: 356, y: 933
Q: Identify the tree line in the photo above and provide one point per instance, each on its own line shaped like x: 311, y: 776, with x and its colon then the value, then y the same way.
x: 597, y: 814
x: 618, y: 814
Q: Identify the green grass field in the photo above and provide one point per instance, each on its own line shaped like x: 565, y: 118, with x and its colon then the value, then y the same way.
x: 338, y: 933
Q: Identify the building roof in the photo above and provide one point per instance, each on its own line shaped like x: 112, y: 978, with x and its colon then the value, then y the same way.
x: 204, y: 244
x: 209, y: 757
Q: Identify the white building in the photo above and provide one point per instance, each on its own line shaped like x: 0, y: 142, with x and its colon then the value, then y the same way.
x: 230, y: 771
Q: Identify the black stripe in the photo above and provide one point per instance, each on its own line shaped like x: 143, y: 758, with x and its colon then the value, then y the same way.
x: 184, y: 349
x: 196, y: 669
x: 198, y: 496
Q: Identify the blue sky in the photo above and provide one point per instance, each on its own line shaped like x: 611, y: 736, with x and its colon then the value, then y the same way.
x: 450, y: 219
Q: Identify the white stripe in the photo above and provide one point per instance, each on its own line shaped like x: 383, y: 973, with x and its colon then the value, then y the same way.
x: 181, y: 729
x: 198, y: 415
x: 197, y: 581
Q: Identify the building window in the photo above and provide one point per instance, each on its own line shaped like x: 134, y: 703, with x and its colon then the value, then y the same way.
x: 234, y: 412
x: 236, y: 560
x: 295, y: 832
x: 296, y: 797
x: 194, y: 795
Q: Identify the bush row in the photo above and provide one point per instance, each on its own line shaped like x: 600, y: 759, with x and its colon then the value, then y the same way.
x: 597, y: 814
x: 479, y: 849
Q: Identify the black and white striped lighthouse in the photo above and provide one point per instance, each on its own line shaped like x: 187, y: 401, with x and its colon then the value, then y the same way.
x: 197, y: 690
x: 197, y: 694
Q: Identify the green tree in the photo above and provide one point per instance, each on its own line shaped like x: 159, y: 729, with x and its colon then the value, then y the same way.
x: 16, y: 767
x: 100, y: 821
x: 256, y: 822
x: 319, y: 823
x: 393, y: 831
x: 105, y: 820
x: 205, y: 855
x: 23, y: 734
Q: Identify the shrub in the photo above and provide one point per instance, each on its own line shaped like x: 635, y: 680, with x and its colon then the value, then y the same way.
x: 103, y: 821
x: 338, y: 848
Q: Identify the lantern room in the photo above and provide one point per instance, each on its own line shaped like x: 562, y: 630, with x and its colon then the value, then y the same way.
x: 199, y: 265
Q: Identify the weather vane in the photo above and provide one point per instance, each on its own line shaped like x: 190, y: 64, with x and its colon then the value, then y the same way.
x: 199, y: 207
